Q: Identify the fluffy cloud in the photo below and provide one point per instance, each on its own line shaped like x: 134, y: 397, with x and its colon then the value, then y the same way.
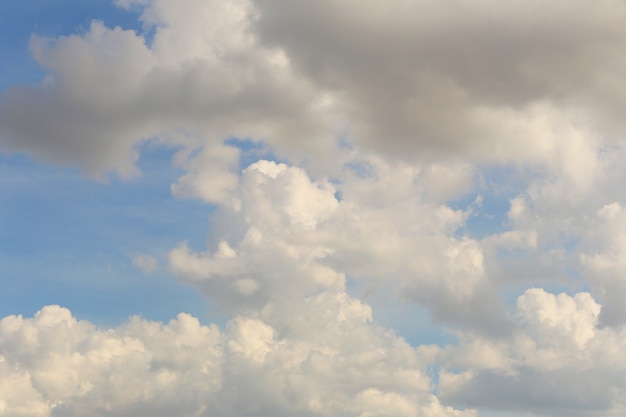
x: 571, y: 218
x: 473, y: 78
x: 604, y: 261
x: 108, y: 90
x: 82, y: 112
x: 557, y: 361
x: 486, y: 81
x: 210, y: 174
x: 285, y: 234
x: 269, y: 222
x: 387, y: 117
x: 55, y: 365
x: 68, y: 367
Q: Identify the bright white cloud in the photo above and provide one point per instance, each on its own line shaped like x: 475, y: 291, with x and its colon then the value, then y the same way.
x: 342, y: 365
x: 288, y: 234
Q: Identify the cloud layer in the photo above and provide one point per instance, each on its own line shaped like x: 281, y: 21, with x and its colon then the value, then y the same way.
x: 486, y: 81
x: 347, y: 150
x: 342, y: 365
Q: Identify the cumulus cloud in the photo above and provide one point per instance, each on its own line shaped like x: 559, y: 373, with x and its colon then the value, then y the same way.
x: 388, y: 117
x: 109, y: 90
x: 539, y: 358
x: 486, y: 81
x: 556, y: 362
x: 604, y: 261
x: 289, y: 234
x: 210, y: 174
x: 473, y: 78
x: 70, y: 367
x: 55, y: 365
x: 274, y: 212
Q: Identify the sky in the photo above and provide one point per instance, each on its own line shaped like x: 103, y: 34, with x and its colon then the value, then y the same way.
x: 339, y: 208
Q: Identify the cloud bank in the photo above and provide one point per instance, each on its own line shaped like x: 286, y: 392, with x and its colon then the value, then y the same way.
x: 391, y: 129
x: 55, y: 365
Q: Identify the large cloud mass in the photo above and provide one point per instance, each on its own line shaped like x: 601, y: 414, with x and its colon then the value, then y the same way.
x: 55, y: 365
x: 489, y: 80
x: 465, y: 158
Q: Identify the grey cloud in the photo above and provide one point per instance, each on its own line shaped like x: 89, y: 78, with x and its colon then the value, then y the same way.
x: 108, y: 91
x: 410, y: 78
x: 565, y: 392
x: 514, y: 81
x: 427, y: 76
x: 555, y: 361
x: 483, y: 312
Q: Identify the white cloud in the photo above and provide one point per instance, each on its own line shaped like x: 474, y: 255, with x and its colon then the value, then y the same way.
x: 604, y: 261
x: 388, y: 233
x: 557, y: 361
x: 55, y: 365
x: 73, y: 368
x: 289, y: 236
x: 387, y: 115
x: 211, y: 174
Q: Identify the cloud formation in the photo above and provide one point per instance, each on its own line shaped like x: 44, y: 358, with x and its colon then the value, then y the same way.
x: 388, y: 132
x: 556, y: 359
x: 486, y: 81
x: 342, y: 365
x: 289, y: 236
x: 109, y: 91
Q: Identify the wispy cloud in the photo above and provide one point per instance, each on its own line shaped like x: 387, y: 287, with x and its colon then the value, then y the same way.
x: 146, y: 263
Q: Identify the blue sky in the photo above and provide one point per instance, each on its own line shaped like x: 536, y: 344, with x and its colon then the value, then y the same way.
x: 325, y: 209
x: 70, y: 240
x: 65, y: 237
x: 50, y: 18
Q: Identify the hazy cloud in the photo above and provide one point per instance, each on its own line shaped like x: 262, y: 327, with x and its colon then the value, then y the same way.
x: 146, y: 263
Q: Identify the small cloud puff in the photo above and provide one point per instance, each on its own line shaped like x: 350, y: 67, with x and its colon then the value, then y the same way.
x: 146, y: 263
